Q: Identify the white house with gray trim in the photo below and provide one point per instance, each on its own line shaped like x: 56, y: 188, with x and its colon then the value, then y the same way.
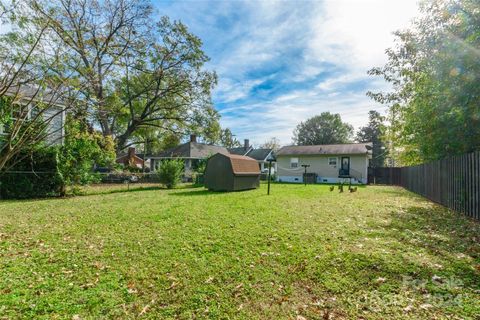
x: 332, y: 163
x: 54, y: 115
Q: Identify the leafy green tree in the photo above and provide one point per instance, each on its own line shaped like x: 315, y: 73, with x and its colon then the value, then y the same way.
x: 435, y: 71
x: 96, y: 37
x: 32, y: 96
x: 170, y: 172
x: 228, y: 140
x: 172, y: 91
x: 374, y: 133
x: 133, y: 71
x: 326, y: 128
x: 82, y: 150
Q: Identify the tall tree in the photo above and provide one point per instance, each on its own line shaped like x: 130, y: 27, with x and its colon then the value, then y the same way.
x: 326, y: 128
x: 435, y: 71
x: 32, y: 97
x: 171, y: 92
x: 135, y: 72
x: 374, y: 133
x: 228, y: 140
x: 272, y: 143
x: 98, y: 34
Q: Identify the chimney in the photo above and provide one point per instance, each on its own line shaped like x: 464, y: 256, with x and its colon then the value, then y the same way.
x: 193, y: 138
x: 130, y: 161
x: 131, y: 152
x: 246, y: 144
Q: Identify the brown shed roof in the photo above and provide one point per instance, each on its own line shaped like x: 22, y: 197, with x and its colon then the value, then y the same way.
x: 243, y: 165
x: 327, y: 149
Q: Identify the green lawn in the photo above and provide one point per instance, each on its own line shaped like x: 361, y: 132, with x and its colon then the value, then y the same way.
x: 301, y: 253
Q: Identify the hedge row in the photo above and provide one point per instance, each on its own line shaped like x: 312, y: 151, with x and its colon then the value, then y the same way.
x: 35, y: 176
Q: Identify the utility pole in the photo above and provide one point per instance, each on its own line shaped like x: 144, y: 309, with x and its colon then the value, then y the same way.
x: 305, y: 174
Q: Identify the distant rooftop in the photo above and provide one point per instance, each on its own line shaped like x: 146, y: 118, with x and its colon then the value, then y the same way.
x: 190, y: 150
x: 327, y: 149
x: 259, y: 154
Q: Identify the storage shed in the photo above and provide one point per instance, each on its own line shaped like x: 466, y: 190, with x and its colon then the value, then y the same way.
x: 230, y: 172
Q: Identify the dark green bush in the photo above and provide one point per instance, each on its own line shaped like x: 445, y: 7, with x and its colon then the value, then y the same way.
x: 170, y: 172
x: 36, y: 175
x: 80, y: 151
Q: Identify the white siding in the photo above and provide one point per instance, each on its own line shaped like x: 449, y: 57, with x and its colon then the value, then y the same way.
x: 320, y: 165
x: 56, y: 126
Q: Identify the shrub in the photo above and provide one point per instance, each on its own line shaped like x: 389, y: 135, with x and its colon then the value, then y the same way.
x: 170, y: 172
x: 35, y: 175
x: 81, y: 150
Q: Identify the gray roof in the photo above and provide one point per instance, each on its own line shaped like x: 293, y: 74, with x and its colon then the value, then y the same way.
x: 239, y: 150
x: 29, y: 92
x: 326, y: 149
x: 191, y: 150
x: 259, y: 154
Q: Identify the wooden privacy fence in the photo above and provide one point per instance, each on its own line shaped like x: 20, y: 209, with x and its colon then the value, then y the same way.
x: 453, y: 182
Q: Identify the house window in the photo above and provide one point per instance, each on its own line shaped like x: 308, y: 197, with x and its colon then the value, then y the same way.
x: 293, y: 162
x: 332, y: 161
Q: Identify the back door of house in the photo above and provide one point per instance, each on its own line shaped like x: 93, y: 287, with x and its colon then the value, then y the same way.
x: 345, y: 165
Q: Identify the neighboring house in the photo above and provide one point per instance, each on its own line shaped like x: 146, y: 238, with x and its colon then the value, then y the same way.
x: 327, y: 163
x: 54, y: 115
x: 130, y: 159
x: 261, y: 155
x: 241, y: 151
x: 191, y: 153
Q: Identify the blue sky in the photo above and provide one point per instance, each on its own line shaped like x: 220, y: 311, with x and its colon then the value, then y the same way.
x: 281, y: 62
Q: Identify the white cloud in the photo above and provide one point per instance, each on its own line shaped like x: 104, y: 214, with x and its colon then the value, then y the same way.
x: 336, y: 41
x: 355, y: 33
x: 280, y: 116
x: 352, y: 35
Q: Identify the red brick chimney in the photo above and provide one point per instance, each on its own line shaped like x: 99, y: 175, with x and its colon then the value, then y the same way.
x: 131, y: 152
x: 193, y: 138
x: 130, y: 161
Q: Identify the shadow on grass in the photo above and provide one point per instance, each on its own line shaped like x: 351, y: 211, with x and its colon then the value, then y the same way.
x: 396, y: 191
x: 198, y: 192
x: 360, y: 186
x: 444, y: 234
x: 132, y: 189
x: 436, y: 255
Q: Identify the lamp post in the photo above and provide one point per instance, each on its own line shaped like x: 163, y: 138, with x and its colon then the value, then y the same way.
x: 305, y: 174
x: 270, y: 159
x: 269, y: 175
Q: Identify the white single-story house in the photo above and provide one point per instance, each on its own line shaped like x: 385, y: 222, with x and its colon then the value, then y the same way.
x: 332, y: 163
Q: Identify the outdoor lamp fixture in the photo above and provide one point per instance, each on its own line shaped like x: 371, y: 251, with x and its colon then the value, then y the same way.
x: 305, y: 174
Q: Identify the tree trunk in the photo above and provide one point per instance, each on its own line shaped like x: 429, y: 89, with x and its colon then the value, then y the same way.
x: 123, y: 138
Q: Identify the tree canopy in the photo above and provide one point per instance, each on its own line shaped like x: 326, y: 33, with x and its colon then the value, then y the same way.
x: 132, y: 70
x: 272, y: 143
x: 326, y: 128
x: 228, y: 140
x: 32, y: 96
x: 434, y: 68
x: 373, y: 133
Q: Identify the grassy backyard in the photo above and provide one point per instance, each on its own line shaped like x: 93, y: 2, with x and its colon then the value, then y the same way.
x: 301, y: 253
